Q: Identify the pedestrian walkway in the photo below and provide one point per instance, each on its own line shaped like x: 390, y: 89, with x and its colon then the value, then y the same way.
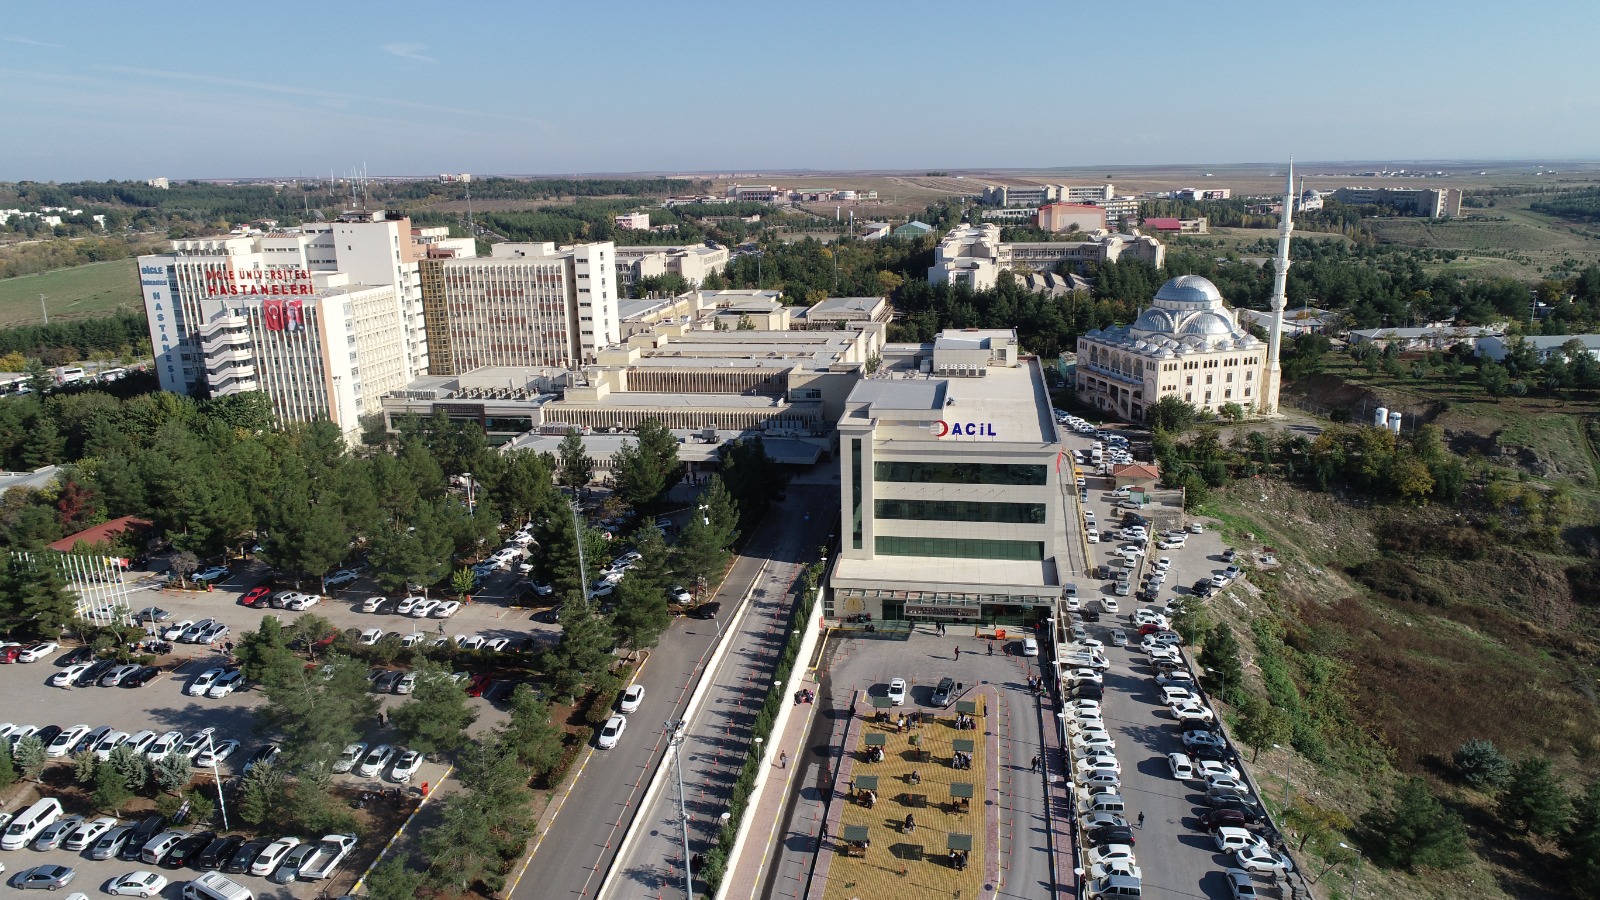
x: 765, y: 810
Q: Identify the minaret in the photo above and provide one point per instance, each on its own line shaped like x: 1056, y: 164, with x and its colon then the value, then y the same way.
x: 1280, y: 296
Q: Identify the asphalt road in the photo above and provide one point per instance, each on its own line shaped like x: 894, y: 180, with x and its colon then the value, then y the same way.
x: 571, y: 859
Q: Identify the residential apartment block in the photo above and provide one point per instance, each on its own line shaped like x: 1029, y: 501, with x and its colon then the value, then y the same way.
x: 1434, y: 203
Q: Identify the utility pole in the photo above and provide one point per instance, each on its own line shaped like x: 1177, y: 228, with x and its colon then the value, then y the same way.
x: 44, y: 309
x: 677, y: 739
x: 583, y: 567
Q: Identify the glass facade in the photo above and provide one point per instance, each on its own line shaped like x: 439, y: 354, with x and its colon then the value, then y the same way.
x: 960, y: 511
x: 961, y: 473
x: 958, y: 548
x: 855, y: 492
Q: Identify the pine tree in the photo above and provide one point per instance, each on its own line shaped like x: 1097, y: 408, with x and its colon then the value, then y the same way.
x: 110, y: 790
x: 577, y: 467
x: 172, y: 772
x: 642, y: 613
x: 1224, y: 673
x: 582, y: 653
x: 711, y: 529
x: 530, y: 735
x: 1416, y: 830
x: 8, y: 766
x: 262, y: 796
x: 28, y: 754
x: 1534, y: 798
x: 1481, y: 765
x: 436, y: 715
x: 1582, y: 843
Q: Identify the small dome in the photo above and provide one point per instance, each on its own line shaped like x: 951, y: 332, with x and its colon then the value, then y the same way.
x: 1154, y: 320
x: 1207, y: 323
x: 1190, y: 289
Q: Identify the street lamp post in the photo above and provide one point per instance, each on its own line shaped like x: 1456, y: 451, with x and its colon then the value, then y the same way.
x: 1288, y: 775
x: 583, y: 567
x: 1354, y: 869
x: 471, y: 507
x: 222, y: 803
x: 677, y: 739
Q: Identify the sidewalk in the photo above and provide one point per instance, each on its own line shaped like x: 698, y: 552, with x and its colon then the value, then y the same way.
x: 765, y: 809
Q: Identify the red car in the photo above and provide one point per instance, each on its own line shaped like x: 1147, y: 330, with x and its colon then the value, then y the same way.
x: 10, y: 654
x: 256, y: 596
x: 479, y: 684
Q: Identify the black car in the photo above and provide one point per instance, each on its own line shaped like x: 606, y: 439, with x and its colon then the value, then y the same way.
x: 48, y: 734
x: 243, y: 857
x: 1088, y: 690
x: 1228, y: 818
x: 1091, y: 615
x: 1110, y: 834
x: 93, y: 673
x: 140, y: 678
x: 187, y: 849
x: 218, y: 852
x: 73, y: 657
x: 1209, y: 751
x: 1250, y: 814
x: 706, y: 610
x: 389, y: 605
x: 1219, y: 798
x: 141, y: 835
x: 1192, y: 723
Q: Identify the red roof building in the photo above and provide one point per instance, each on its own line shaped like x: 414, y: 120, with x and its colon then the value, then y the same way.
x: 1162, y: 224
x: 102, y: 533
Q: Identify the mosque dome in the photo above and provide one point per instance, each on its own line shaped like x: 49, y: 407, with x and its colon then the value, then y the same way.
x: 1153, y: 319
x: 1207, y: 324
x: 1190, y: 290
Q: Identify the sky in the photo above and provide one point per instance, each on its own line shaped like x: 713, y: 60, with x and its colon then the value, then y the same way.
x: 215, y: 90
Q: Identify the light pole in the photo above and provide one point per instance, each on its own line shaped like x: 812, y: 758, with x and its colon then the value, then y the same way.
x: 1222, y: 692
x: 1354, y: 868
x: 470, y: 506
x: 583, y: 567
x: 1288, y: 775
x: 677, y: 739
x: 222, y: 803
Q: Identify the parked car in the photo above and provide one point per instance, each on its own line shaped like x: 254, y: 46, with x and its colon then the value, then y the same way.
x: 349, y: 757
x: 196, y: 742
x: 38, y: 651
x: 109, y: 844
x: 244, y: 857
x: 203, y: 682
x: 138, y: 884
x: 632, y: 698
x: 897, y: 691
x: 611, y: 732
x: 445, y: 609
x: 187, y: 849
x: 54, y: 834
x: 256, y: 596
x: 289, y: 869
x: 69, y: 676
x: 272, y: 854
x: 227, y: 684
x: 376, y: 760
x: 156, y: 849
x: 406, y: 766
x: 266, y: 754
x: 942, y: 692
x: 143, y: 676
x: 216, y: 753
x: 164, y: 745
x: 218, y: 852
x: 64, y: 741
x: 341, y: 578
x: 214, y: 573
x: 331, y: 852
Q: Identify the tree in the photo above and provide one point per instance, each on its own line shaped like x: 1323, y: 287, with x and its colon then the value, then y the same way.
x: 642, y: 613
x: 1224, y: 673
x: 183, y: 564
x: 394, y: 881
x: 711, y: 529
x: 172, y: 772
x: 461, y: 849
x: 436, y: 715
x: 28, y: 754
x: 264, y: 654
x: 648, y: 468
x: 1172, y: 414
x: 262, y: 795
x: 318, y: 715
x: 1412, y: 478
x: 582, y: 653
x: 133, y: 768
x: 463, y: 581
x: 84, y: 766
x: 1261, y: 724
x: 1481, y: 765
x: 529, y: 734
x: 525, y: 485
x: 1534, y: 798
x: 1415, y: 830
x: 752, y: 478
x: 110, y: 790
x: 1233, y: 412
x: 1582, y: 843
x: 577, y: 467
x: 8, y: 767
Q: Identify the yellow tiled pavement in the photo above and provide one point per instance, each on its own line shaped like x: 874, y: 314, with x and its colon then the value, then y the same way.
x: 883, y: 873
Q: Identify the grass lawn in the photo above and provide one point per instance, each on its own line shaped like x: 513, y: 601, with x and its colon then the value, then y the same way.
x: 80, y: 292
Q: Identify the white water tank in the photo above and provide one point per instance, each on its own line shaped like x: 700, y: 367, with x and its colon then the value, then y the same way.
x: 1394, y: 422
x: 1380, y: 417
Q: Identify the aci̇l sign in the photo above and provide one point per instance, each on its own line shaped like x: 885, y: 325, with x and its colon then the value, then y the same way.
x: 964, y: 429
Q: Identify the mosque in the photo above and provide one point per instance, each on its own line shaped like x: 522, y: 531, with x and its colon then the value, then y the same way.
x: 1188, y: 344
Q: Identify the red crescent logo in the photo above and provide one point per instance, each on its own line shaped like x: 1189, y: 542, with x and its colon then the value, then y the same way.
x: 941, y: 429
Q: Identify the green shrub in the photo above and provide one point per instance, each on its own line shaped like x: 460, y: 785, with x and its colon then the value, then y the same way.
x: 1481, y: 765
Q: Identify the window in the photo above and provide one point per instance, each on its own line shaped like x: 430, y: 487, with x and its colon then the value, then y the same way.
x: 960, y: 511
x: 961, y: 473
x: 855, y: 491
x: 958, y: 548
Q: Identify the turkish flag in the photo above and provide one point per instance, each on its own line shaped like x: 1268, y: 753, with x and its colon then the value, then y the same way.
x: 272, y: 312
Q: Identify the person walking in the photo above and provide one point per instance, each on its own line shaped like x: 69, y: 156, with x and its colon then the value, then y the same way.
x: 783, y: 759
x: 958, y: 653
x: 1035, y: 766
x: 1141, y: 819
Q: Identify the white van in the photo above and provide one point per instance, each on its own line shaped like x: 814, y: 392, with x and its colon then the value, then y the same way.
x: 26, y: 826
x: 215, y: 886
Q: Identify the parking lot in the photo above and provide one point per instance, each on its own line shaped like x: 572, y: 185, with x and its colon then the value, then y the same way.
x: 1175, y: 854
x: 161, y: 705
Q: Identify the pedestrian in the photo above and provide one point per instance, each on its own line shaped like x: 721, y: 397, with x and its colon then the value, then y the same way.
x: 783, y: 759
x: 1035, y: 766
x: 991, y: 648
x: 958, y: 653
x: 823, y: 834
x: 1141, y: 819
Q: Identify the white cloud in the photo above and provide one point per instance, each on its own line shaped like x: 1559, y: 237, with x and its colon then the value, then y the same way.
x: 409, y: 51
x: 19, y: 39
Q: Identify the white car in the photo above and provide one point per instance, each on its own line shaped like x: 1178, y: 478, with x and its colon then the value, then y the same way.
x: 1104, y: 762
x: 1209, y: 768
x: 66, y: 677
x: 164, y: 745
x: 138, y: 884
x: 1262, y: 861
x: 376, y: 760
x: 38, y: 652
x: 1079, y: 676
x: 1192, y: 710
x: 371, y: 604
x: 1092, y: 536
x: 1192, y: 739
x: 1095, y: 780
x: 408, y: 604
x: 226, y: 684
x: 1094, y: 742
x: 1227, y: 783
x: 196, y: 742
x: 611, y: 732
x: 413, y: 639
x: 341, y: 577
x: 113, y: 740
x: 1030, y: 646
x: 216, y: 753
x: 1110, y: 853
x: 632, y: 698
x: 445, y: 609
x: 471, y: 641
x: 347, y: 760
x: 303, y: 602
x: 63, y: 743
x: 406, y: 766
x: 1181, y: 765
x: 1173, y: 695
x: 1163, y: 564
x: 331, y: 851
x: 214, y: 573
x: 1175, y: 677
x: 897, y: 691
x: 87, y: 833
x: 423, y: 608
x: 273, y: 854
x: 370, y: 636
x: 203, y: 682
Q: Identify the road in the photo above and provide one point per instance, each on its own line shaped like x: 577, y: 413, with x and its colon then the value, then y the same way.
x: 571, y: 859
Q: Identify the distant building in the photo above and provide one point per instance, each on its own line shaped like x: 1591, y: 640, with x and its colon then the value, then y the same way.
x: 1497, y: 347
x: 1071, y: 217
x: 1010, y: 215
x: 1197, y: 194
x: 1433, y: 203
x: 1431, y: 337
x: 913, y: 229
x: 462, y: 177
x: 161, y: 183
x: 1037, y: 195
x: 840, y: 312
x: 973, y: 254
x: 757, y: 193
x: 1175, y: 226
x: 693, y: 262
x: 876, y: 231
x: 635, y: 221
x: 1297, y: 321
x: 1120, y: 211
